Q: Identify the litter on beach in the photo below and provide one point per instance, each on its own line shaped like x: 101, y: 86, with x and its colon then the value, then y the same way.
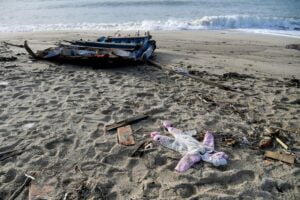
x: 103, y: 52
x: 281, y: 156
x: 192, y: 150
x: 125, y: 136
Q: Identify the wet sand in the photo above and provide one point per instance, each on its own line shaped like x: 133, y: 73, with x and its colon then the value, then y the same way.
x: 58, y: 112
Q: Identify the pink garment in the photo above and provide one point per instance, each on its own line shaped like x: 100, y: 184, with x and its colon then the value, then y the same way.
x: 192, y: 150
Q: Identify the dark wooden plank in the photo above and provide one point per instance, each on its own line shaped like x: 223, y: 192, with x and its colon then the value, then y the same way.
x: 125, y: 122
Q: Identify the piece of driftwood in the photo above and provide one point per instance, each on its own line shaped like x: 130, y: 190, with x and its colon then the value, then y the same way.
x: 7, y: 59
x: 8, y: 154
x: 28, y: 49
x: 140, y: 148
x: 125, y: 122
x: 281, y: 143
x: 125, y: 136
x: 20, y: 189
x: 207, y: 82
x: 285, y: 157
x: 14, y: 45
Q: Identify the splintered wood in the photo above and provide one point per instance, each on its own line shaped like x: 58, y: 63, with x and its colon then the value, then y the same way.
x: 125, y: 122
x: 288, y: 158
x: 125, y: 136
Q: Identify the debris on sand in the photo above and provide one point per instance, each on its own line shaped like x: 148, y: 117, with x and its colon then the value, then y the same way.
x: 293, y: 46
x: 7, y: 59
x: 281, y: 156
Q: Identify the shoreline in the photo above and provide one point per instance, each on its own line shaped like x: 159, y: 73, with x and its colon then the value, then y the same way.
x: 258, y: 32
x: 256, y: 49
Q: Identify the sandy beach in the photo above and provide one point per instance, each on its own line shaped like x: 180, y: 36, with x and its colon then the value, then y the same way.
x: 56, y: 115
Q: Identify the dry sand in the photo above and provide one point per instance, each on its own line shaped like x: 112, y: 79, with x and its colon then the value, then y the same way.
x: 58, y: 112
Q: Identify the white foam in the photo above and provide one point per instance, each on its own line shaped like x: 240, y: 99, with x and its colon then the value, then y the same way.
x: 291, y: 34
x: 241, y: 22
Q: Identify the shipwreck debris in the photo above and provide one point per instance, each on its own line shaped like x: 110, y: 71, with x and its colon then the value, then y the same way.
x: 125, y: 136
x: 293, y: 46
x: 102, y: 53
x: 281, y: 156
x: 125, y: 122
x: 141, y: 148
x: 235, y: 75
x: 27, y: 181
x: 11, y: 153
x: 7, y: 59
x: 265, y: 142
x: 14, y: 45
x: 273, y: 133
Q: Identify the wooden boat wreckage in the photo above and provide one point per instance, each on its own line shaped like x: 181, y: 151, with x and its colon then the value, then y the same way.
x: 113, y: 51
x: 103, y: 52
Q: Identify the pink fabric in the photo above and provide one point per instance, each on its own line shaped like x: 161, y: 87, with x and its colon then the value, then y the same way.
x: 167, y: 124
x: 209, y: 140
x: 187, y: 162
x: 192, y: 154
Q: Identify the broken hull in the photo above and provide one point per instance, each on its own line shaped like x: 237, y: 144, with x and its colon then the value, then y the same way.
x: 138, y: 48
x: 79, y: 54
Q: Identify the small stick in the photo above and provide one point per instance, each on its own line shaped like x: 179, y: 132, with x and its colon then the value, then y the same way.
x: 207, y: 82
x: 18, y: 191
x: 137, y: 130
x: 14, y: 45
x: 281, y: 143
x: 65, y: 196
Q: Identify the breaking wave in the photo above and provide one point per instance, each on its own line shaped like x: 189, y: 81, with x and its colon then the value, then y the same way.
x: 204, y: 23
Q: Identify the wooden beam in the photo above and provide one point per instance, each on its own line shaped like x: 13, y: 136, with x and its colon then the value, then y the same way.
x: 285, y: 157
x: 207, y: 82
x: 125, y: 122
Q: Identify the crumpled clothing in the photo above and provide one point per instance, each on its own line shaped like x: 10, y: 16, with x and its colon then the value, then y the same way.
x: 191, y: 149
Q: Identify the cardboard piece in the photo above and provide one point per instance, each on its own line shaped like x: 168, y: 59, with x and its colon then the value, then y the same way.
x: 125, y: 136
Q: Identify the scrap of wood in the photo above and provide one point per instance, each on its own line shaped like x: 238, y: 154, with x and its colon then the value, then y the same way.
x: 11, y: 153
x: 25, y: 184
x: 7, y: 59
x: 207, y: 82
x: 281, y: 143
x: 125, y: 136
x: 285, y: 157
x: 140, y: 148
x: 14, y: 45
x: 125, y: 122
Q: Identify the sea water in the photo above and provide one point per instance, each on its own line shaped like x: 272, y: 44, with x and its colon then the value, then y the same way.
x: 280, y: 17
